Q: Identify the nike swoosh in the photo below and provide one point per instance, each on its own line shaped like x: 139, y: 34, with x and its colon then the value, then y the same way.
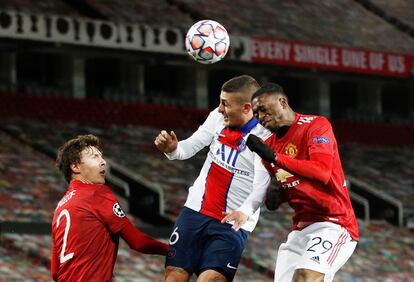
x: 232, y: 267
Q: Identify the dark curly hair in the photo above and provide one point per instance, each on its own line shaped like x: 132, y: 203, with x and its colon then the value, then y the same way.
x: 70, y: 153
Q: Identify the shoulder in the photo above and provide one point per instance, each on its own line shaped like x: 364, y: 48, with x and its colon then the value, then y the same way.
x: 103, y: 191
x: 320, y: 123
x: 214, y: 119
x: 260, y: 131
x: 215, y: 115
x: 312, y: 120
x: 271, y: 139
x: 322, y: 120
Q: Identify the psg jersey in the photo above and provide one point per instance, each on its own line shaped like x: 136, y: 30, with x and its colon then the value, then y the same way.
x: 226, y: 178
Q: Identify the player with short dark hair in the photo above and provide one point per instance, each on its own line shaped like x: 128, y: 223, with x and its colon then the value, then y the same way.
x: 200, y: 244
x: 303, y: 155
x: 88, y: 220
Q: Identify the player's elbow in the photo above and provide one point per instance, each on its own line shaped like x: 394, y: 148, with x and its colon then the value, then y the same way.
x: 325, y: 180
x: 325, y: 176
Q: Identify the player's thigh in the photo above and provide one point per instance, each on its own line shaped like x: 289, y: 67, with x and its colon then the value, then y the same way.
x: 325, y: 248
x: 211, y: 275
x: 176, y: 274
x: 185, y: 244
x: 223, y: 249
x: 288, y: 255
x: 307, y: 275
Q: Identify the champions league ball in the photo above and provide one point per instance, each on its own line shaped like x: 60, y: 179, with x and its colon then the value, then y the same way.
x: 207, y: 42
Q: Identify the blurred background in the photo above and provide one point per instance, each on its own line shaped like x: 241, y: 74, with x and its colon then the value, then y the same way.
x: 119, y: 70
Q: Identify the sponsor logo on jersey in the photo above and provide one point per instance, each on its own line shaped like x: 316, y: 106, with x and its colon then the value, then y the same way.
x: 291, y: 150
x: 227, y: 159
x: 283, y: 175
x: 118, y: 210
x: 320, y: 139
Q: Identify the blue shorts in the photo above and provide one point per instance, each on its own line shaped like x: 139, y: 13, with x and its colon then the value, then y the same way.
x: 200, y: 242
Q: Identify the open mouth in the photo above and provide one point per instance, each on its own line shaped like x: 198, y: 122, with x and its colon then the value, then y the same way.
x: 103, y: 172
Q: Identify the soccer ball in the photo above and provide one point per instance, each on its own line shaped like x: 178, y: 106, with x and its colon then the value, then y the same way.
x: 207, y: 42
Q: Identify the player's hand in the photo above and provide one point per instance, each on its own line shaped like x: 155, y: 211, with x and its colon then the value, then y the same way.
x: 238, y: 217
x: 265, y: 152
x: 273, y: 198
x: 165, y: 142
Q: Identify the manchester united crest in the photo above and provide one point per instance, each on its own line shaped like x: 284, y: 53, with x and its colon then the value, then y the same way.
x: 291, y: 150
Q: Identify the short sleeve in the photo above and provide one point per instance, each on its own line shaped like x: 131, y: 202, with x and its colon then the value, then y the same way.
x: 107, y: 209
x: 320, y: 137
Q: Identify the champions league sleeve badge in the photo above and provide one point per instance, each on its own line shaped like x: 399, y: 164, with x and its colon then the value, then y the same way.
x: 118, y: 210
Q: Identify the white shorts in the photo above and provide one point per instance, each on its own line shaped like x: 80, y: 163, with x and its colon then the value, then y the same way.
x: 322, y: 246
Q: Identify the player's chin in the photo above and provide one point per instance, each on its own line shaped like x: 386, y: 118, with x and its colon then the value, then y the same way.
x: 270, y: 125
x: 100, y: 179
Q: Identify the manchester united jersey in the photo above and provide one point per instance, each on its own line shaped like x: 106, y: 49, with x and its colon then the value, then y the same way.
x: 311, y: 200
x: 226, y: 177
x: 84, y: 233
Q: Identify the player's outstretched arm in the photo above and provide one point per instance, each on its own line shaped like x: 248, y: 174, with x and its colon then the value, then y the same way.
x: 319, y: 167
x: 166, y: 142
x: 265, y: 152
x: 142, y: 242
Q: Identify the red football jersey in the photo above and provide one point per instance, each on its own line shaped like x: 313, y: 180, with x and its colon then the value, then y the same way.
x: 84, y: 233
x: 311, y: 199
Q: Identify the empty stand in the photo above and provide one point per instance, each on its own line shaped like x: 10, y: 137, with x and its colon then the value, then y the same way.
x: 343, y: 22
x: 29, y: 184
x: 48, y: 7
x: 389, y: 169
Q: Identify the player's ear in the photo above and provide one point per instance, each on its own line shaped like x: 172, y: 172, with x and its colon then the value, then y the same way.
x: 247, y: 107
x: 75, y: 168
x: 283, y: 102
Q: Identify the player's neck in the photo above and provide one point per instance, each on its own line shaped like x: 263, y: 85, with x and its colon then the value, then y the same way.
x: 247, y: 119
x: 281, y: 131
x: 289, y: 119
x: 81, y: 179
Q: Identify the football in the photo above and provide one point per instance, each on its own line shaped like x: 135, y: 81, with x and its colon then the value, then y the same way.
x: 207, y: 42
